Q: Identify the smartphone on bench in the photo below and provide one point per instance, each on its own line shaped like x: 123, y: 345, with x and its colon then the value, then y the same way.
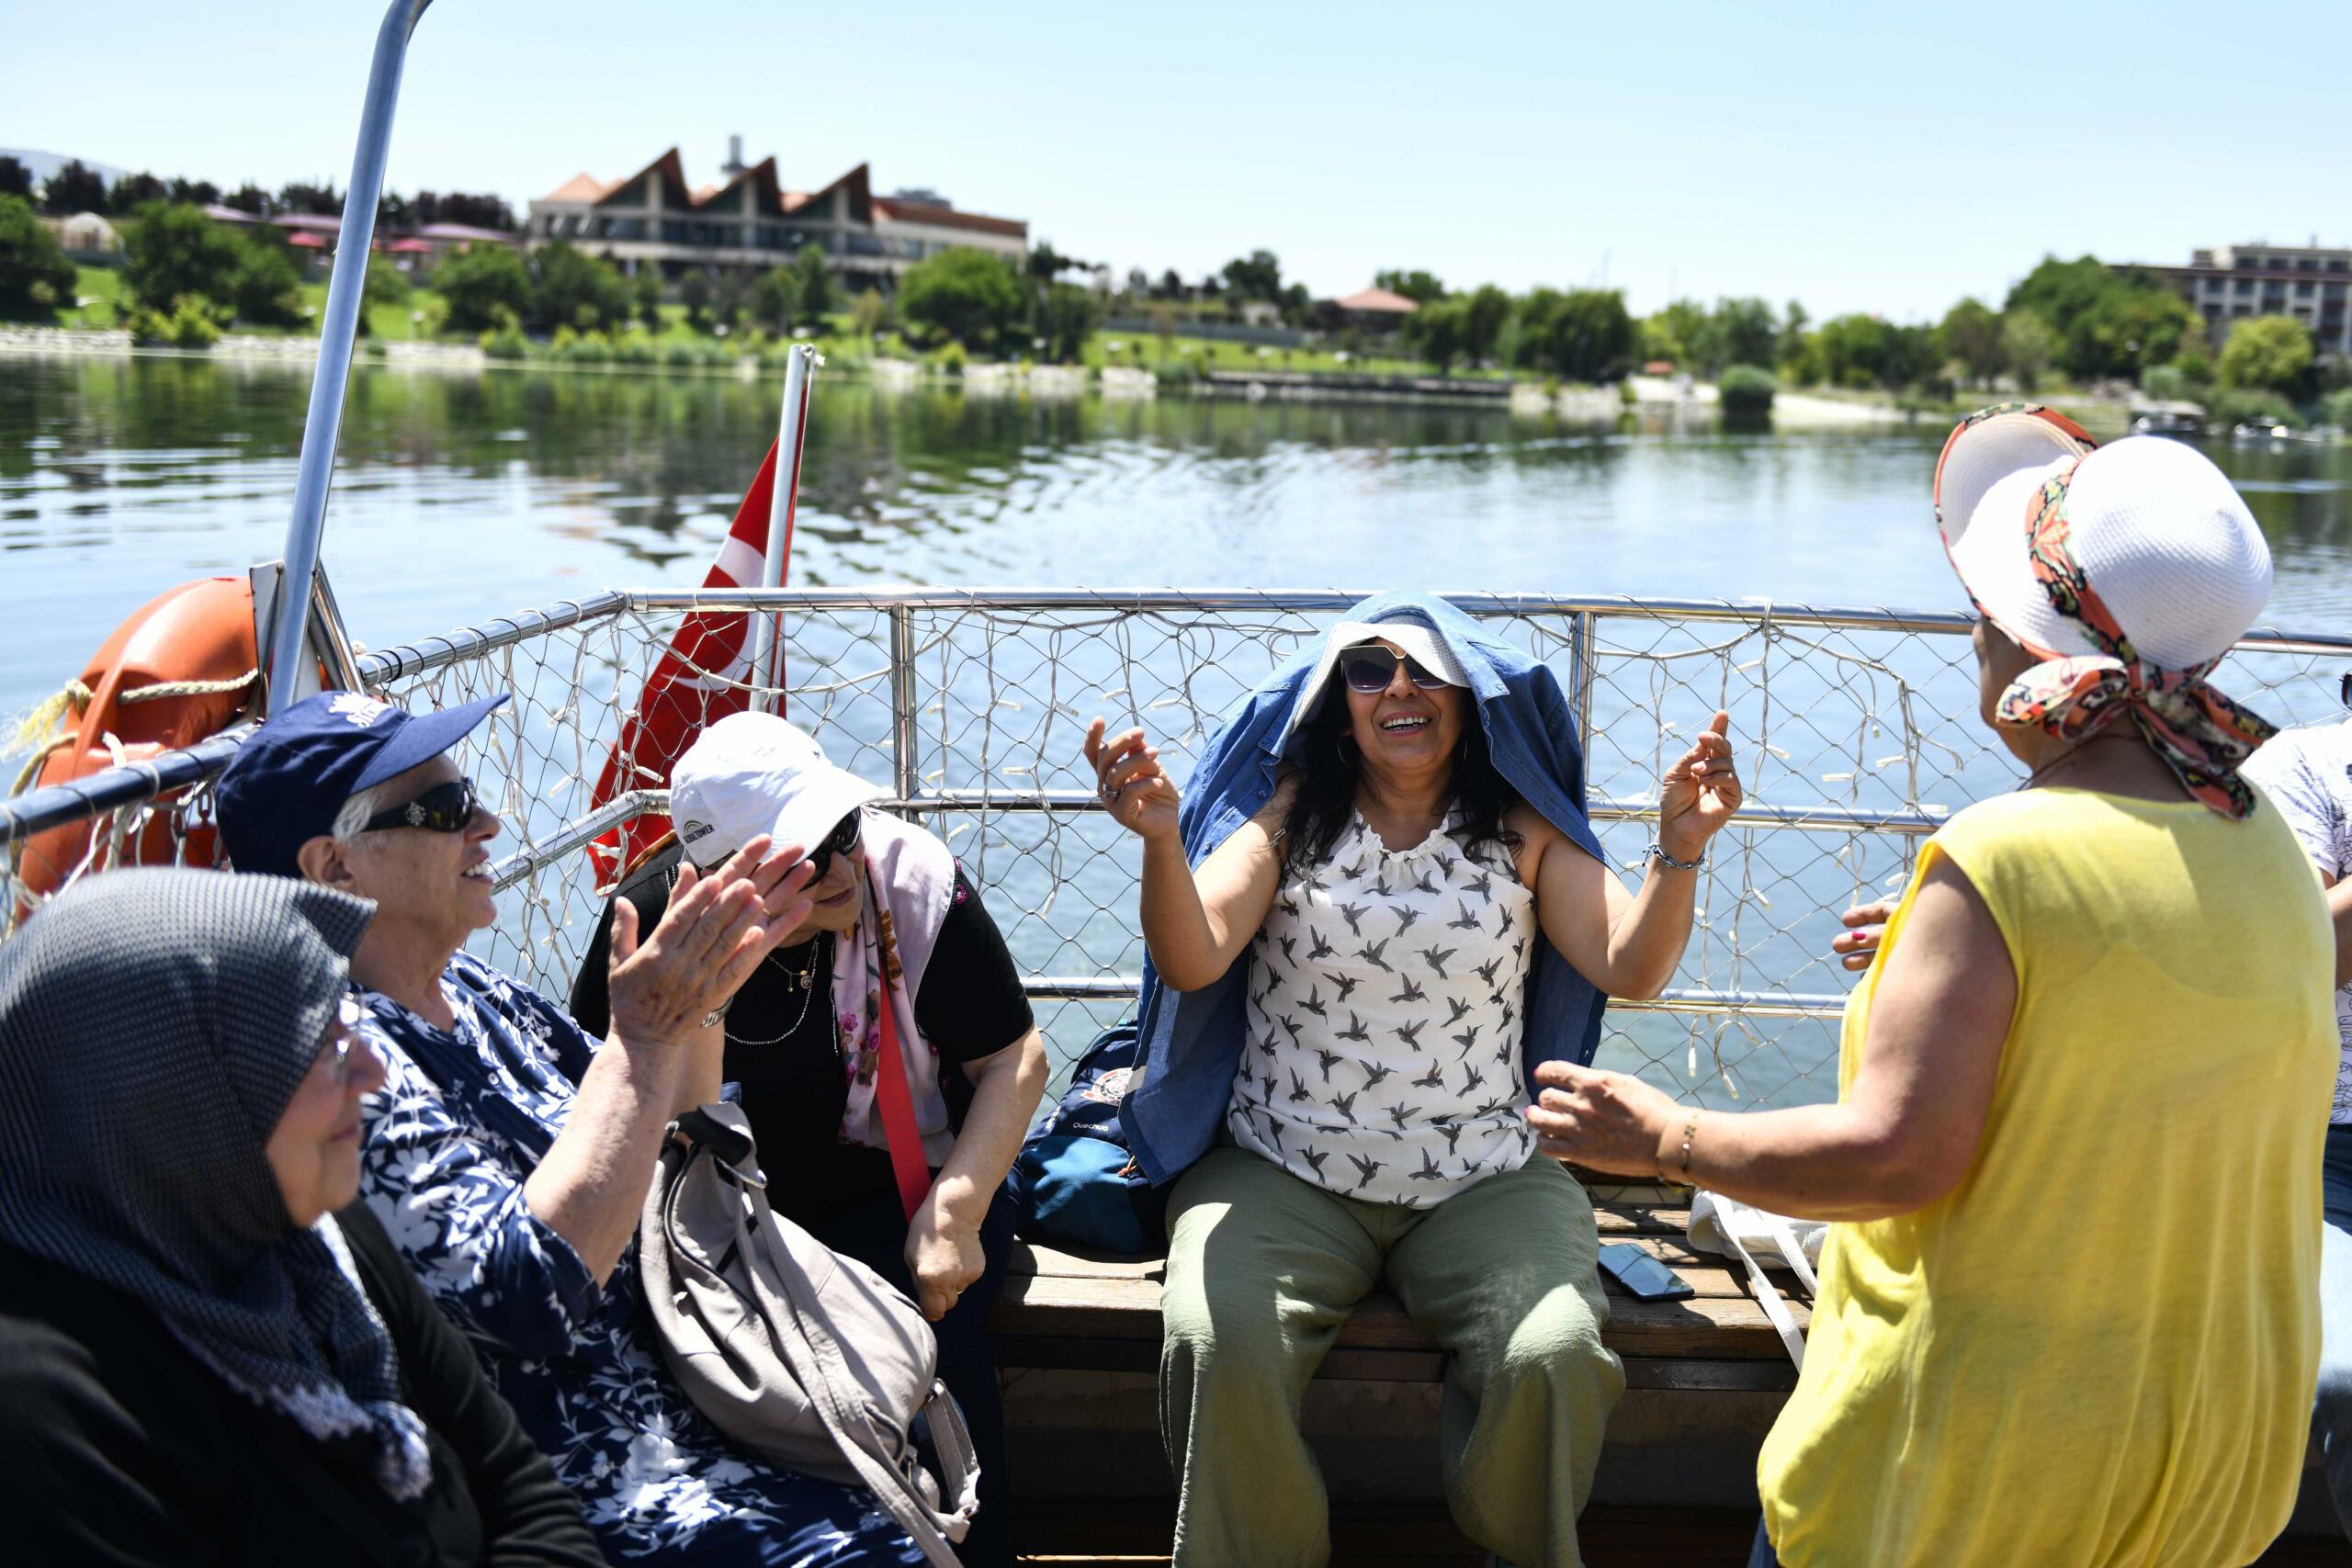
x: 1649, y: 1279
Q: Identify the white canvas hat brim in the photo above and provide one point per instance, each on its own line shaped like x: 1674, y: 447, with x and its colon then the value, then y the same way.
x: 751, y: 773
x: 1985, y: 483
x: 1421, y: 644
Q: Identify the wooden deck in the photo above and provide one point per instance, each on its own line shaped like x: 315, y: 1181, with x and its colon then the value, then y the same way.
x: 1077, y: 1312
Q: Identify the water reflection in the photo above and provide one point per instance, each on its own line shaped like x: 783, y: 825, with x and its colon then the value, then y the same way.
x: 462, y: 495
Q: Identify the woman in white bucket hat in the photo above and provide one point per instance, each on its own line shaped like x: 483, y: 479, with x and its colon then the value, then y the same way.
x: 2068, y: 1315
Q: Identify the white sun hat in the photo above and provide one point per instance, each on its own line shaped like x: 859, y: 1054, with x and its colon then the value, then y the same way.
x: 1421, y: 644
x: 2161, y: 538
x: 751, y: 773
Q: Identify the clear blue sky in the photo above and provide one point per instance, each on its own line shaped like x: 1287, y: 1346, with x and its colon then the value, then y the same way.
x: 1886, y: 157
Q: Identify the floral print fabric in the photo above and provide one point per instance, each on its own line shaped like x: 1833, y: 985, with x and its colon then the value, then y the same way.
x: 464, y: 1117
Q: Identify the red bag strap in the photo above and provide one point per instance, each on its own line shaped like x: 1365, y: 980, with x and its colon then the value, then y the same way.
x: 897, y: 1108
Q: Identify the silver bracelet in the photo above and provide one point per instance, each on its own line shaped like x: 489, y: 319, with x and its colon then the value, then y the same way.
x: 714, y: 1015
x: 1656, y: 852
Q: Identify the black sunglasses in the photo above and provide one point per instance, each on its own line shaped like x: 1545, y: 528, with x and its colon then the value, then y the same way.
x: 2347, y: 692
x: 443, y: 808
x: 1371, y: 669
x: 839, y: 841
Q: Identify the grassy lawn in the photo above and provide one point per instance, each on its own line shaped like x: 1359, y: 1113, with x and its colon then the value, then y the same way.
x: 1149, y: 352
x: 101, y: 287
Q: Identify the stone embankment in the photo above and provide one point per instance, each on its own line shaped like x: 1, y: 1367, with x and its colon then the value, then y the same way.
x: 238, y: 345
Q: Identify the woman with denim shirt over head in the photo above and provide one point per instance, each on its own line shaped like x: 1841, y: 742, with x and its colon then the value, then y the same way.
x: 1372, y: 950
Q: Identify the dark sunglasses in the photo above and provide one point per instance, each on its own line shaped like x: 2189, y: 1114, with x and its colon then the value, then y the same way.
x: 1371, y: 669
x: 443, y: 808
x: 839, y: 841
x: 2347, y: 692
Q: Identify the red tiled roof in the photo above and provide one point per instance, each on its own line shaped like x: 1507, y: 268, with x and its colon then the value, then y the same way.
x: 1377, y: 299
x: 409, y: 247
x: 907, y: 211
x: 582, y: 187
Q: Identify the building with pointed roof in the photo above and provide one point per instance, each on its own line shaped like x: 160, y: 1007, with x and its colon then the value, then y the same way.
x: 748, y: 223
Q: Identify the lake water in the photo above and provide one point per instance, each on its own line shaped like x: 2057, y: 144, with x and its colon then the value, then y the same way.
x: 460, y: 496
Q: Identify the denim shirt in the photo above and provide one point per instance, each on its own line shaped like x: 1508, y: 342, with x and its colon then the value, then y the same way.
x: 1190, y: 1042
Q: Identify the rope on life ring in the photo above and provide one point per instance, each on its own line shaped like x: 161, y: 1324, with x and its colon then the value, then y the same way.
x: 35, y: 730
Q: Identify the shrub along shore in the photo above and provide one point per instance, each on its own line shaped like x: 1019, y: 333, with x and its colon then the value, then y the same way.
x: 2070, y: 329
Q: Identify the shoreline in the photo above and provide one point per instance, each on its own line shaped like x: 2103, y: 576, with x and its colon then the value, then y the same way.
x: 1799, y: 410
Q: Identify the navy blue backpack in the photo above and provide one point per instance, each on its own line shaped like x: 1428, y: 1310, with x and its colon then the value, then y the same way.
x: 1078, y: 1184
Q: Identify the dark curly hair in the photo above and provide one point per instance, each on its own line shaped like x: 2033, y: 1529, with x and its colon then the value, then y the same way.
x: 1325, y: 761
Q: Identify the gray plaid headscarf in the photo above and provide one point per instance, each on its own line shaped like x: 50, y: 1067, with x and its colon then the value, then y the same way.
x: 153, y: 1026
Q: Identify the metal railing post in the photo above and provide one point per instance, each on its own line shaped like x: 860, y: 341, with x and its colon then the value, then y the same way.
x: 903, y: 772
x: 1587, y: 629
x: 338, y: 330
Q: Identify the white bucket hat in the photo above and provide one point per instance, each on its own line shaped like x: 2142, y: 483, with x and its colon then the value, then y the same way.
x: 751, y: 773
x: 2163, y: 541
x: 1422, y: 644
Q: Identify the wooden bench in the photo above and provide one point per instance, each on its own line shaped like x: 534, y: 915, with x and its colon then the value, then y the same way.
x: 1071, y: 1311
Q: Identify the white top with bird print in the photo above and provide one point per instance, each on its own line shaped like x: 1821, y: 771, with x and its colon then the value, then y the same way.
x: 1386, y: 990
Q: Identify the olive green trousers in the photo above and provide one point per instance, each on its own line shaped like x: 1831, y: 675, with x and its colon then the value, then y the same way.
x: 1262, y: 1270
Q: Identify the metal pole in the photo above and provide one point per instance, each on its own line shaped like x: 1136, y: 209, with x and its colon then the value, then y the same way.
x: 337, y: 331
x: 767, y: 630
x: 904, y: 774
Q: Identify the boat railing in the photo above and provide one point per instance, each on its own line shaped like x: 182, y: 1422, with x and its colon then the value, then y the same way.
x: 1855, y: 731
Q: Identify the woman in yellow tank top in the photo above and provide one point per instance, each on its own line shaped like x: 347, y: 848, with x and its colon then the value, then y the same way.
x: 2069, y: 1315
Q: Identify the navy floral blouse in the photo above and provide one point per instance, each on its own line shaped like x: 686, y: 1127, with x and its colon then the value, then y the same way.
x: 463, y: 1118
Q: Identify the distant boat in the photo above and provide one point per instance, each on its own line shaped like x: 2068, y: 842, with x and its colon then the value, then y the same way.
x: 2178, y: 419
x: 2259, y: 429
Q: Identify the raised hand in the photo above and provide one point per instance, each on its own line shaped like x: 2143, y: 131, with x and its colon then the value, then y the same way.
x: 1865, y: 928
x: 717, y: 927
x: 1134, y: 787
x: 1698, y: 795
x: 1601, y: 1120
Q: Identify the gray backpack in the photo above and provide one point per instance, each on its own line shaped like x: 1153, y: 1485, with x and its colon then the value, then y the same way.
x: 809, y: 1359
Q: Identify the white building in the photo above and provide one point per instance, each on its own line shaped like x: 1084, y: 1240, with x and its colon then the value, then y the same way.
x: 749, y: 222
x: 2230, y: 283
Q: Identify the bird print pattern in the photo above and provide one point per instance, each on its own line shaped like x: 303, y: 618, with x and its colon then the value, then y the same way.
x: 1346, y: 1061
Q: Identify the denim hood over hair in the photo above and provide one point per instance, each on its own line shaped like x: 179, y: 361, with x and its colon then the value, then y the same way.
x: 1190, y: 1042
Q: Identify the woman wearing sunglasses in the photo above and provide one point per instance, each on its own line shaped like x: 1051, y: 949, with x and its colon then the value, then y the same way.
x: 1377, y: 907
x: 508, y: 1152
x: 892, y: 924
x: 201, y: 1360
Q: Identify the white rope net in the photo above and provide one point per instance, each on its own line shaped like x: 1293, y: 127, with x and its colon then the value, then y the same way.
x: 1856, y: 733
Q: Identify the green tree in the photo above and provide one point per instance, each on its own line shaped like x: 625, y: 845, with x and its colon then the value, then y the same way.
x: 1746, y: 333
x: 134, y: 191
x: 2059, y: 291
x: 1972, y: 335
x: 266, y: 290
x: 73, y: 188
x: 963, y: 294
x: 696, y: 292
x: 486, y: 286
x: 1257, y: 275
x: 1045, y: 263
x: 36, y: 278
x: 15, y: 178
x: 571, y: 288
x: 1683, y: 333
x: 645, y: 295
x: 1418, y: 285
x: 1793, y: 333
x: 776, y: 300
x: 1067, y: 315
x: 2268, y: 354
x: 1854, y: 351
x: 386, y: 285
x: 1582, y: 335
x: 1440, y: 332
x: 172, y: 251
x: 2029, y: 347
x: 868, y: 312
x: 821, y: 293
x: 1488, y: 308
x: 2126, y: 329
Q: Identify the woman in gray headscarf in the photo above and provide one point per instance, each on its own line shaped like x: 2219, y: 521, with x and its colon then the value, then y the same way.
x: 201, y: 1360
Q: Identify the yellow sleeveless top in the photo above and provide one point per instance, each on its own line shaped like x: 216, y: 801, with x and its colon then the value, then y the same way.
x: 2100, y: 1348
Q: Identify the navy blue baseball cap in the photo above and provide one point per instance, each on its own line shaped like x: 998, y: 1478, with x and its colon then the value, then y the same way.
x: 293, y: 775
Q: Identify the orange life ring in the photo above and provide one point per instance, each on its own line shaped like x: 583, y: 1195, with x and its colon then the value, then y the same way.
x: 183, y: 667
